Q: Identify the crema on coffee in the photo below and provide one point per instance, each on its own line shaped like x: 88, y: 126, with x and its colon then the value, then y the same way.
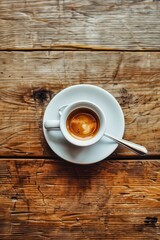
x: 83, y: 123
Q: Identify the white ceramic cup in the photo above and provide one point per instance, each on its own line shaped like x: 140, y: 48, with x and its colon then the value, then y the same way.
x: 61, y: 123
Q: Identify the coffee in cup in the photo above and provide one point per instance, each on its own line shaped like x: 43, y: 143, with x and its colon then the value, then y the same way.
x: 83, y: 123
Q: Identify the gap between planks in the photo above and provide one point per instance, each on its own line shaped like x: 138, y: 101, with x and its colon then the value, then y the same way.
x: 117, y: 158
x: 71, y: 48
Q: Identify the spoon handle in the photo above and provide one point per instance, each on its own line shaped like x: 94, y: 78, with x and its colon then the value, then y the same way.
x: 130, y: 145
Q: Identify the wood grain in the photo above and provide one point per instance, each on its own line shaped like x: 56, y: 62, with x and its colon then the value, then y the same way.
x: 41, y: 196
x: 52, y: 199
x: 105, y: 25
x: 29, y: 80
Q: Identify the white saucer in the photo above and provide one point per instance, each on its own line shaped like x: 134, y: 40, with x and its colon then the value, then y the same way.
x: 98, y: 151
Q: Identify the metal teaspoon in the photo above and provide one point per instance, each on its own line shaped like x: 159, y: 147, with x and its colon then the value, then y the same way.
x: 130, y: 145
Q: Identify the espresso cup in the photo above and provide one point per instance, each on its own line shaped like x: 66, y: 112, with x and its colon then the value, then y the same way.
x: 82, y: 123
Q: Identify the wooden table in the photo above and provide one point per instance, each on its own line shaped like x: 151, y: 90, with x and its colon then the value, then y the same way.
x: 46, y: 46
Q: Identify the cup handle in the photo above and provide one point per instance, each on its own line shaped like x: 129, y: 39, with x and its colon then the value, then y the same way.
x: 52, y: 124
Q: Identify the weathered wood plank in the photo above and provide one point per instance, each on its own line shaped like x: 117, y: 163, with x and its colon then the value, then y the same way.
x: 77, y: 24
x: 52, y: 199
x: 29, y: 80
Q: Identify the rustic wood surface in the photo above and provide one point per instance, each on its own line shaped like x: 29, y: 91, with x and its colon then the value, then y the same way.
x: 52, y: 199
x: 29, y: 80
x: 46, y: 46
x: 113, y: 24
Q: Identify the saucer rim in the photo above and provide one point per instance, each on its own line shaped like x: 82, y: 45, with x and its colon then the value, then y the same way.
x: 59, y: 94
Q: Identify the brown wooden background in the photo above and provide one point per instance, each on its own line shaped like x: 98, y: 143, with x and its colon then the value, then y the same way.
x: 46, y: 46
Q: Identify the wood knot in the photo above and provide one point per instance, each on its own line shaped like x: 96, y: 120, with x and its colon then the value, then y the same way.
x: 42, y: 95
x: 14, y: 199
x: 150, y: 221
